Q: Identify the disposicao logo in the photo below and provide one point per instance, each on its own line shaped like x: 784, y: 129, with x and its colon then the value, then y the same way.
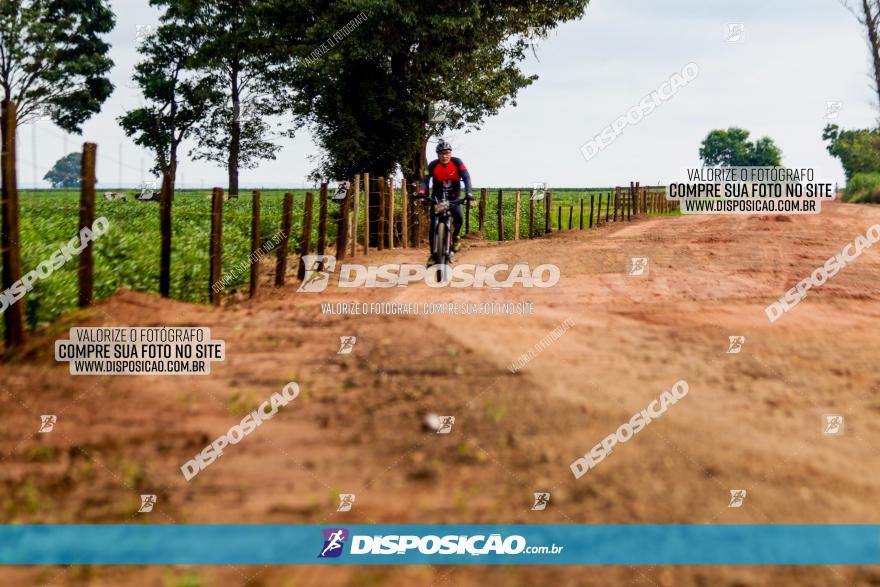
x: 334, y: 541
x: 317, y: 269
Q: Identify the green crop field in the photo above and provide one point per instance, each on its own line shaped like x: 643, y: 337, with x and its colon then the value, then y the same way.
x: 127, y: 256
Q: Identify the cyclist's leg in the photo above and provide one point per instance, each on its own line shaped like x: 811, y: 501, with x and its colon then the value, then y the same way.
x: 457, y: 221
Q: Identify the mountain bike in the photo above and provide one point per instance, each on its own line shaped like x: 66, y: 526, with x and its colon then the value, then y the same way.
x: 441, y: 234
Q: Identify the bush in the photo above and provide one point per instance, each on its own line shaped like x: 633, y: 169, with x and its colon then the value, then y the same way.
x: 858, y: 150
x: 863, y: 188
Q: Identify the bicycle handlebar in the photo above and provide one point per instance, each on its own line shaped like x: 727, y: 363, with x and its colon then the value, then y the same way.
x: 431, y: 200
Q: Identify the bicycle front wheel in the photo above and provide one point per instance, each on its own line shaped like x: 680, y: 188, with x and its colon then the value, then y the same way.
x: 441, y: 250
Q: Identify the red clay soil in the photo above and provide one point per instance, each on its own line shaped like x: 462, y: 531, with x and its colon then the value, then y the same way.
x: 752, y: 420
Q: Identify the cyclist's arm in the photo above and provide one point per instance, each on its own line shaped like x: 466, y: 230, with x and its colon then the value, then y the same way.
x: 425, y: 185
x: 465, y: 177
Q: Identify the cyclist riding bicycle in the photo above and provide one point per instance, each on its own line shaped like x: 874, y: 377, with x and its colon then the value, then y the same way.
x: 447, y: 172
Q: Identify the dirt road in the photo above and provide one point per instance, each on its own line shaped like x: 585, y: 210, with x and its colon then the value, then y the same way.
x: 751, y: 420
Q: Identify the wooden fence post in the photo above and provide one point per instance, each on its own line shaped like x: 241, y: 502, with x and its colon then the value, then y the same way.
x: 306, y: 239
x: 425, y: 212
x: 283, y: 246
x: 531, y: 214
x: 356, y: 203
x: 616, y: 201
x: 166, y: 199
x: 255, y: 242
x: 381, y: 235
x: 634, y: 209
x: 86, y: 220
x: 558, y: 217
x: 607, y: 207
x: 591, y: 210
x: 581, y: 216
x: 342, y: 227
x: 624, y: 203
x: 633, y: 203
x: 10, y: 243
x: 482, y: 217
x: 366, y: 213
x: 627, y: 211
x: 570, y: 214
x: 500, y: 218
x: 322, y: 219
x: 516, y: 218
x: 414, y: 209
x: 404, y: 216
x: 548, y: 204
x: 636, y: 198
x: 216, y: 245
x: 390, y: 225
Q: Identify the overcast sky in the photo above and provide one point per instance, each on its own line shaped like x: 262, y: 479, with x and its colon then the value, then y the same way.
x: 791, y: 58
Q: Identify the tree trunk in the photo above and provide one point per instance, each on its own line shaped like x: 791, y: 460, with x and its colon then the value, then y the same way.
x: 166, y: 200
x: 418, y: 161
x: 234, y: 133
x: 872, y: 11
x: 10, y: 243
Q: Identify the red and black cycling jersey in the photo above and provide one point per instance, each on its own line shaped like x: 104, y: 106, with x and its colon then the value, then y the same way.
x: 446, y: 177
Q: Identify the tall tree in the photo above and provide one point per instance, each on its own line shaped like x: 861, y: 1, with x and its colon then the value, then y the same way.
x: 234, y: 51
x: 370, y: 98
x: 867, y: 12
x: 176, y: 97
x: 53, y: 60
x: 732, y: 148
x: 66, y: 171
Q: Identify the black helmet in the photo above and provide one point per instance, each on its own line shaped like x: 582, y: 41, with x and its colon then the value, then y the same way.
x: 443, y: 146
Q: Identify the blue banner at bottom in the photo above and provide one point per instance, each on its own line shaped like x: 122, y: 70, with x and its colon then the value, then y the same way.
x: 397, y: 544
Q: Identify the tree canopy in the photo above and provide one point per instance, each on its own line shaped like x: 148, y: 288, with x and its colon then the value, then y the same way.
x: 732, y: 148
x: 66, y: 172
x: 858, y: 150
x: 370, y: 74
x: 234, y: 53
x: 53, y: 60
x: 177, y: 98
